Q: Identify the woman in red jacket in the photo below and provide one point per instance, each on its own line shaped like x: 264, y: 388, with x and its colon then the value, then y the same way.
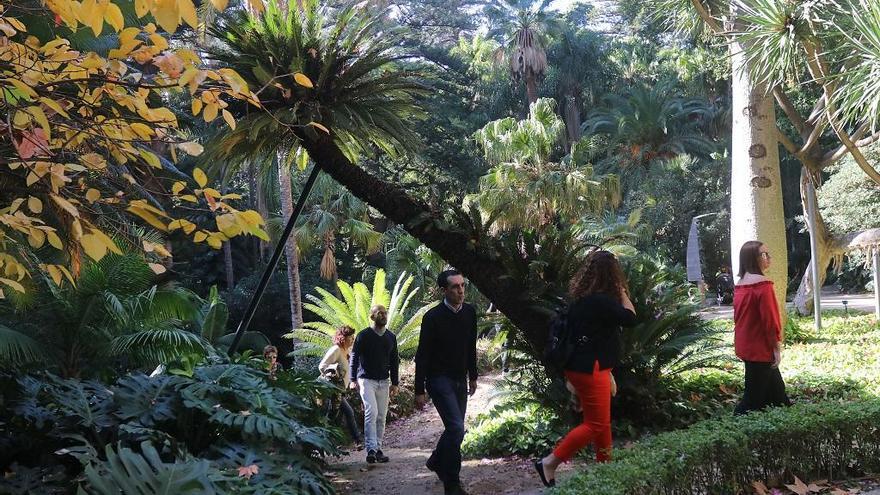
x: 757, y: 331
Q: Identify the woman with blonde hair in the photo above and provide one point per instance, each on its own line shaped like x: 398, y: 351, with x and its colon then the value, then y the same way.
x: 335, y: 365
x: 600, y: 306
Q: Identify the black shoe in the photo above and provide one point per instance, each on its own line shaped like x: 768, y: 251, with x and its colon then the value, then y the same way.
x: 371, y: 456
x: 539, y: 466
x: 381, y: 457
x: 454, y: 489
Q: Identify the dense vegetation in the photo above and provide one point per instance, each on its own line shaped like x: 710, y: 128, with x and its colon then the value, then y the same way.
x: 503, y: 137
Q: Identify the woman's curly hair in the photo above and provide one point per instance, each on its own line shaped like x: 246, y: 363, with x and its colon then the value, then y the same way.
x: 601, y: 273
x: 342, y: 333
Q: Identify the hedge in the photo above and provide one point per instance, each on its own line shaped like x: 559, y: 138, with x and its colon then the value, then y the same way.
x: 829, y: 440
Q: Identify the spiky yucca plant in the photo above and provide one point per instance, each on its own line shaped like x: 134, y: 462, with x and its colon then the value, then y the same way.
x: 353, y: 310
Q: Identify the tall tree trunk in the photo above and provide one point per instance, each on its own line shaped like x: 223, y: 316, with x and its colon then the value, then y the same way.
x: 253, y: 200
x: 263, y: 210
x: 531, y: 89
x: 755, y: 185
x: 286, y: 189
x: 227, y: 263
x: 572, y: 118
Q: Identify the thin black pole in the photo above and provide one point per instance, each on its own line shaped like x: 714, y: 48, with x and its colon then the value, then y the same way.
x: 273, y: 261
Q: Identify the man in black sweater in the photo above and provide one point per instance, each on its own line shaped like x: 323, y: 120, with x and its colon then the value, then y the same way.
x: 446, y: 365
x: 374, y: 362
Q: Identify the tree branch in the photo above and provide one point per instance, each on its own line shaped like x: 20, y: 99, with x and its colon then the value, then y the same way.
x: 707, y: 16
x: 819, y: 72
x: 786, y: 142
x: 788, y: 107
x: 832, y: 157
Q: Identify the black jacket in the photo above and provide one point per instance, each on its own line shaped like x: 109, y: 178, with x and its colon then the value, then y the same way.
x: 447, y: 345
x: 595, y: 322
x: 374, y: 356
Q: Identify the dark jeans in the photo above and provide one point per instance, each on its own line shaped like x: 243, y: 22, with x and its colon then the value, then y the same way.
x: 764, y: 387
x: 348, y: 417
x: 450, y: 398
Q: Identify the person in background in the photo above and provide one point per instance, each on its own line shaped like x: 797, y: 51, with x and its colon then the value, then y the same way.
x: 336, y: 364
x: 600, y: 306
x: 757, y: 331
x: 375, y: 363
x: 446, y: 366
x: 270, y: 354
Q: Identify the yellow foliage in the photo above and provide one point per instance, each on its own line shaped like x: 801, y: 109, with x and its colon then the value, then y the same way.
x: 79, y: 117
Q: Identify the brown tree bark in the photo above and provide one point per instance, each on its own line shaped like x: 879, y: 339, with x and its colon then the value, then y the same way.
x: 290, y: 250
x: 473, y: 257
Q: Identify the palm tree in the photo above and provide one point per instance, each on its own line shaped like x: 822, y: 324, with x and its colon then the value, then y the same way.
x: 297, y: 60
x: 524, y: 26
x: 647, y: 124
x: 115, y: 312
x: 353, y: 310
x: 331, y: 213
x: 526, y: 188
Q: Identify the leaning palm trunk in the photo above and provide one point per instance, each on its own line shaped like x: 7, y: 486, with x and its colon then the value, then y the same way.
x: 290, y: 248
x: 755, y: 185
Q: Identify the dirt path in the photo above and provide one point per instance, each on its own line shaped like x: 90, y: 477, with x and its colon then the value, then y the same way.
x: 409, y: 443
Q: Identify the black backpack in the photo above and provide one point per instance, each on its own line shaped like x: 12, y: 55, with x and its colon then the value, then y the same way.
x: 560, y: 345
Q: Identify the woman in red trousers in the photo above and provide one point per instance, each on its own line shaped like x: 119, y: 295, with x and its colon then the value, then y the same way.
x: 600, y: 306
x: 757, y: 331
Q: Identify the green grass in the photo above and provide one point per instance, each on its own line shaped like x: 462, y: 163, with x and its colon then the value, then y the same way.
x: 840, y: 363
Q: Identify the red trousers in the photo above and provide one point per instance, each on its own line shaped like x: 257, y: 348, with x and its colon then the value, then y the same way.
x: 594, y: 392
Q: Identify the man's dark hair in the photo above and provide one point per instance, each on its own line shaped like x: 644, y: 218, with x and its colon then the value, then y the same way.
x: 443, y: 278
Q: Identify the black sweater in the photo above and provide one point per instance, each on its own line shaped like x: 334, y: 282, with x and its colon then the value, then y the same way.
x: 597, y: 319
x: 447, y: 345
x: 374, y: 356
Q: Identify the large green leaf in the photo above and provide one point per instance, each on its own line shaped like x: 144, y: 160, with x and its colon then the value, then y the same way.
x: 145, y: 473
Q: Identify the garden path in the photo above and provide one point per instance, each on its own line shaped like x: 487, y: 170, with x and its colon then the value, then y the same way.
x: 409, y: 442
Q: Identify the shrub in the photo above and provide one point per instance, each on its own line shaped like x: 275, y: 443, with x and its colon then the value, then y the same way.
x: 830, y: 440
x: 512, y: 428
x: 189, y: 434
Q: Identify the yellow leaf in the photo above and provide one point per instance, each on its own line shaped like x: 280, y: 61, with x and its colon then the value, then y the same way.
x: 188, y: 13
x: 230, y: 120
x: 257, y: 6
x: 106, y: 240
x: 210, y: 112
x: 35, y: 204
x: 157, y: 268
x: 93, y: 246
x: 41, y: 119
x: 93, y: 160
x: 36, y: 238
x: 189, y: 197
x: 93, y: 195
x: 167, y: 14
x: 55, y: 273
x: 142, y: 130
x: 200, y: 236
x: 141, y: 7
x: 303, y: 80
x: 55, y: 106
x: 15, y: 23
x: 113, y: 15
x: 12, y: 283
x: 196, y: 107
x: 65, y: 205
x: 220, y: 4
x: 192, y: 148
x: 151, y: 159
x: 54, y: 240
x: 177, y: 187
x: 215, y: 242
x: 76, y: 229
x: 226, y: 224
x: 200, y: 177
x: 210, y: 191
x: 24, y: 88
x: 319, y: 126
x: 148, y: 217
